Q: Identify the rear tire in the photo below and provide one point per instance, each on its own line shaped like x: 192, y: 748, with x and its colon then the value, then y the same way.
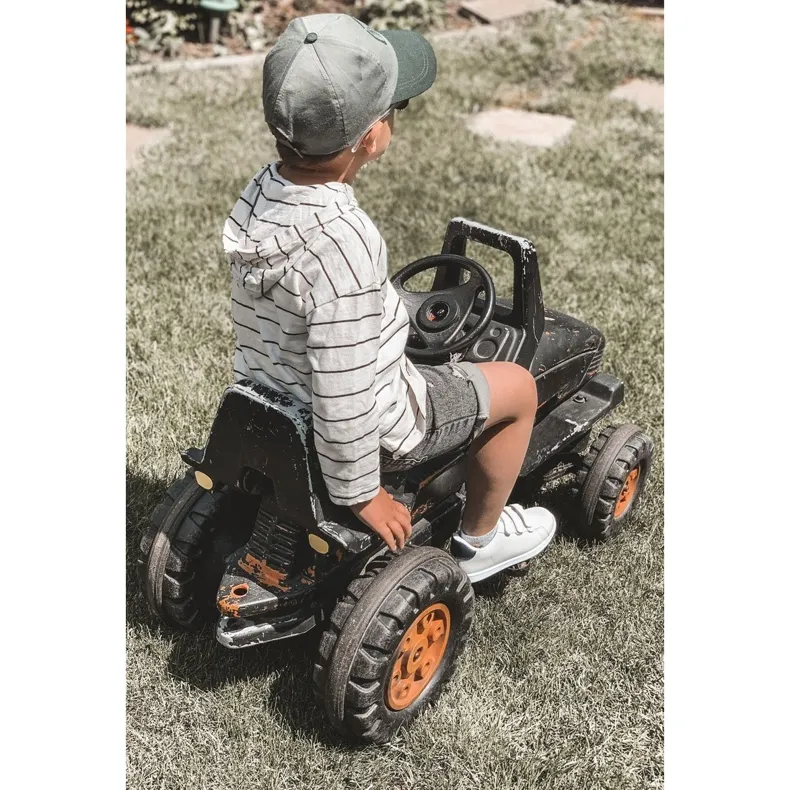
x: 378, y: 669
x: 611, y: 480
x: 183, y: 554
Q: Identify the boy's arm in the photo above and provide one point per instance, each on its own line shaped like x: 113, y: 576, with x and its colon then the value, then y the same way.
x: 342, y: 349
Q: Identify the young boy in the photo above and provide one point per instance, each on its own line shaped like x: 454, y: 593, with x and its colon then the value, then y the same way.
x: 316, y: 316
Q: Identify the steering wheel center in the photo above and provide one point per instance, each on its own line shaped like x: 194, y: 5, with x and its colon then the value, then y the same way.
x: 437, y: 314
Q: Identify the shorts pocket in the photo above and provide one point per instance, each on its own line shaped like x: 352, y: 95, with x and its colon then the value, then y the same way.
x: 453, y: 435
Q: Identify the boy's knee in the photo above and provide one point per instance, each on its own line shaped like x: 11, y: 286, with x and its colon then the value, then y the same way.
x: 513, y: 392
x: 528, y: 389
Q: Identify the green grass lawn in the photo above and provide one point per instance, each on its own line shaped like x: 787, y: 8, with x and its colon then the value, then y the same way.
x: 561, y: 683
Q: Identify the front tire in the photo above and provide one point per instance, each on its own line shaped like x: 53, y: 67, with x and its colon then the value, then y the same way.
x: 611, y: 479
x: 378, y: 669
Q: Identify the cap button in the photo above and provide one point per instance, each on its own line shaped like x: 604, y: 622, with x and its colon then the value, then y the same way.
x: 311, y: 38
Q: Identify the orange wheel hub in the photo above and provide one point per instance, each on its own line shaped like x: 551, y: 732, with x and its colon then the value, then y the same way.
x: 627, y: 494
x: 418, y: 656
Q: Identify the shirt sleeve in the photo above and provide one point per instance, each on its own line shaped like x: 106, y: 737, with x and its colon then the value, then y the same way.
x: 342, y: 349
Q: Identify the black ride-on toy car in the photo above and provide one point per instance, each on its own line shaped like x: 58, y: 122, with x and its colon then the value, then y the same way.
x: 249, y: 540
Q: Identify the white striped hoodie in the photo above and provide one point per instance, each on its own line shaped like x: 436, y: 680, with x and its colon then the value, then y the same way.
x: 316, y: 317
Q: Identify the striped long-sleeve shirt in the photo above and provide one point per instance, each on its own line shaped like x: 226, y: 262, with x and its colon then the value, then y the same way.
x: 316, y: 317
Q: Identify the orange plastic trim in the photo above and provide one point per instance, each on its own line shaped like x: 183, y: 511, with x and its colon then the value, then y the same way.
x: 418, y: 656
x: 627, y: 494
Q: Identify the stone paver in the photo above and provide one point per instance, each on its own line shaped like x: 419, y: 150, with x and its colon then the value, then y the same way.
x: 646, y: 94
x: 475, y: 33
x: 497, y: 10
x: 533, y: 128
x: 139, y: 137
x: 654, y: 15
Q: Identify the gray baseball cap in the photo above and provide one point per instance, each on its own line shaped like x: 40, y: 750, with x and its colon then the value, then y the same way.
x: 330, y: 77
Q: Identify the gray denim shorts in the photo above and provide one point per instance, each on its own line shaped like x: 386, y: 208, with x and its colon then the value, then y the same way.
x: 458, y: 403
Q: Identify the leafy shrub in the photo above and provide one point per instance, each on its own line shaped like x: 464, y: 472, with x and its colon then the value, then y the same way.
x: 248, y: 20
x: 411, y: 14
x: 157, y: 27
x: 161, y: 26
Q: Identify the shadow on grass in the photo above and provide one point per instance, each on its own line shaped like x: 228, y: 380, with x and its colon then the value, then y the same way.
x: 201, y: 662
x: 559, y: 499
x: 142, y: 496
x: 197, y: 659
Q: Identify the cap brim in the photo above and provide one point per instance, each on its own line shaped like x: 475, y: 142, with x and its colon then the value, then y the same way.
x: 416, y: 63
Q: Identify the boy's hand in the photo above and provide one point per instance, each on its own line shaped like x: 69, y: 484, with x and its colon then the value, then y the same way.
x: 387, y: 518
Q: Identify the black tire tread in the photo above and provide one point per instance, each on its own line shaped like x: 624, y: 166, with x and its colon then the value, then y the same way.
x: 183, y: 604
x: 361, y: 693
x: 615, y: 452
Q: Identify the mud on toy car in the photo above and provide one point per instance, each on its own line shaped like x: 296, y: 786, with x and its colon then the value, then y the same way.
x: 249, y: 540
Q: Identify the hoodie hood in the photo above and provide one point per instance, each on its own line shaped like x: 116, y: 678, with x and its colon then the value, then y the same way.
x: 274, y: 222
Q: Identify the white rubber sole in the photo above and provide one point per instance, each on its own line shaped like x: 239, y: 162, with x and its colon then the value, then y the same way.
x: 478, y: 576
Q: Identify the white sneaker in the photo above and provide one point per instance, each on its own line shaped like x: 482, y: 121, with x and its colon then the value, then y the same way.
x: 521, y: 533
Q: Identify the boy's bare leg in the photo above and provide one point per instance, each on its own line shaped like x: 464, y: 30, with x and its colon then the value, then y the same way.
x: 495, y: 457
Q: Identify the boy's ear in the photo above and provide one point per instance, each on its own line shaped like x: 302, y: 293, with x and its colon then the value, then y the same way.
x: 371, y: 139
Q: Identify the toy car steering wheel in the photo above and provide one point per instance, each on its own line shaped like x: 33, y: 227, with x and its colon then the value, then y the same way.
x: 438, y: 316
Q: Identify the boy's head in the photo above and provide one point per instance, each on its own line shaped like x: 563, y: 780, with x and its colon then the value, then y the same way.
x: 330, y: 84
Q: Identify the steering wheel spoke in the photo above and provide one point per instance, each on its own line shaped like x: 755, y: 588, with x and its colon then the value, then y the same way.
x: 412, y: 301
x: 466, y: 296
x: 426, y: 339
